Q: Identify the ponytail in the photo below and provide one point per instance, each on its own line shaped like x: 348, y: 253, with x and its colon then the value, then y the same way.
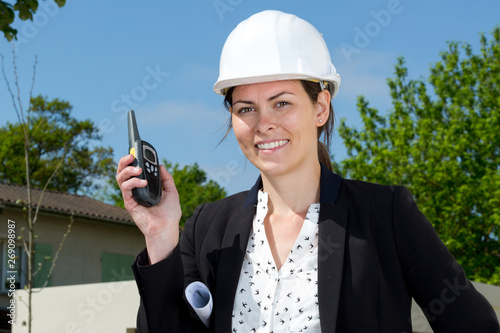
x: 324, y: 156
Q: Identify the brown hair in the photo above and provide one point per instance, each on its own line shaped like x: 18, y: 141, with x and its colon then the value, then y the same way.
x: 312, y: 89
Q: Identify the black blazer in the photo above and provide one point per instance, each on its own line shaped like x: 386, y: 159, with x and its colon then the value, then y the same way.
x: 376, y: 252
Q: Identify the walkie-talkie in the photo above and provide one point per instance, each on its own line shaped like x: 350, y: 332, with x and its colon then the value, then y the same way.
x: 147, y: 159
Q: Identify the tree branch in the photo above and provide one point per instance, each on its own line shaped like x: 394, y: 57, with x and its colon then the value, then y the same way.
x: 48, y: 182
x: 58, y: 250
x: 7, y: 82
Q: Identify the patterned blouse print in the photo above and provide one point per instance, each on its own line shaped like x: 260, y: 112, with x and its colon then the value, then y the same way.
x: 272, y: 301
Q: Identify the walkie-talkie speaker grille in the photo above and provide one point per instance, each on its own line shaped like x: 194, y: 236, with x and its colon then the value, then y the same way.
x: 154, y: 186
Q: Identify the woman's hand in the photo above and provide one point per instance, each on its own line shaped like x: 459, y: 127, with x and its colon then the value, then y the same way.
x: 160, y: 223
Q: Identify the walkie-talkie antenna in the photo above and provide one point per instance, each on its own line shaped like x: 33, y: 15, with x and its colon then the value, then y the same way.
x: 133, y: 132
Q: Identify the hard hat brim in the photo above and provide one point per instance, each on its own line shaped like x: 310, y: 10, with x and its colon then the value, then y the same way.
x: 222, y: 86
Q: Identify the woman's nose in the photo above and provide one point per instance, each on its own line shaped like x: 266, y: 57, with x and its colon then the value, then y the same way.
x: 266, y: 121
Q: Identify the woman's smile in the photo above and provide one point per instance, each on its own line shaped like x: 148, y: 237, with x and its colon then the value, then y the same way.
x: 271, y: 145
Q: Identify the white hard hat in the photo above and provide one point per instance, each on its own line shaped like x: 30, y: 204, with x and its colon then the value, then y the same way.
x: 272, y: 45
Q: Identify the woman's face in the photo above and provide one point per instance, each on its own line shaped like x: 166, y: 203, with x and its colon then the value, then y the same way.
x: 276, y: 124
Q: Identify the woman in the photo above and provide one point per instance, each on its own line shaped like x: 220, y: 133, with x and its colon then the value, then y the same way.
x: 303, y: 250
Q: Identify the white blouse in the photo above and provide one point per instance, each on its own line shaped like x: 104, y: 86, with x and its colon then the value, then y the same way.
x: 272, y: 301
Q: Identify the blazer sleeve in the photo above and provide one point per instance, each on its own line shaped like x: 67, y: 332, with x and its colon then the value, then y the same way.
x: 435, y: 279
x: 163, y: 307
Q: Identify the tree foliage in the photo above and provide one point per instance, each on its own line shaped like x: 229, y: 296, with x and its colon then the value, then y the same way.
x: 25, y: 10
x: 193, y: 187
x: 54, y: 133
x: 441, y: 139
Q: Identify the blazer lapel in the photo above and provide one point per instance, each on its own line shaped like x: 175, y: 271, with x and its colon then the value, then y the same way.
x: 331, y: 242
x: 332, y: 226
x: 231, y: 257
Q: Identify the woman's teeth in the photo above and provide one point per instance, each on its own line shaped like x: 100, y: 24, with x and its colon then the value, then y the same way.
x: 271, y: 145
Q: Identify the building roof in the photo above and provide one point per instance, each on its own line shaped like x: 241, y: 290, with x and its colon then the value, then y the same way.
x: 64, y: 203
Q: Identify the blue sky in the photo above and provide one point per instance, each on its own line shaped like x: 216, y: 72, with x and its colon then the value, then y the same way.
x: 161, y: 58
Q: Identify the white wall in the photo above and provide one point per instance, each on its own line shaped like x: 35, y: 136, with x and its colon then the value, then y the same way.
x: 89, y: 308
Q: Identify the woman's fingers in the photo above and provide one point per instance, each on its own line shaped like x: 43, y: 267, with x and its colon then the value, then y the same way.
x: 125, y: 172
x: 124, y: 162
x: 127, y: 179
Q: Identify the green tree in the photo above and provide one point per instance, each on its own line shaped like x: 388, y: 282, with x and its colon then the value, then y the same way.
x: 25, y: 10
x: 441, y: 139
x: 193, y: 187
x: 54, y: 133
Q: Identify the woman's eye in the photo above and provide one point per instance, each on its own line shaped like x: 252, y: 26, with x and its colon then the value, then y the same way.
x: 244, y: 110
x: 282, y: 104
